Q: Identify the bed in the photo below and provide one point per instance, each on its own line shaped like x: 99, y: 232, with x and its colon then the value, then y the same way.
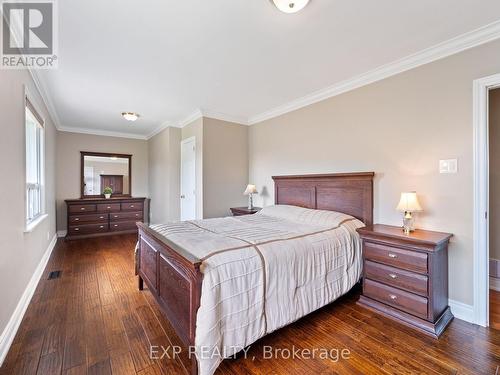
x: 224, y: 283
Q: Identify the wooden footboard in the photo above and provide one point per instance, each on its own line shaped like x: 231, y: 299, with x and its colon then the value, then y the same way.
x: 174, y: 278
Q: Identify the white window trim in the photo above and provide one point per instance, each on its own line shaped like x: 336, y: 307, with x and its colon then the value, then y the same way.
x: 31, y: 225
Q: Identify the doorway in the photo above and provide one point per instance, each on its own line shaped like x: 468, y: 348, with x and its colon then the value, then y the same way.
x: 482, y: 88
x: 494, y: 206
x: 188, y: 179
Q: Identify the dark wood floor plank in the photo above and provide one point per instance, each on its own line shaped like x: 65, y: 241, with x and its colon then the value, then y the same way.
x: 93, y: 320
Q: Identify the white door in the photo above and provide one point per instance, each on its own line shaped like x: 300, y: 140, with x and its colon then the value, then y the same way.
x: 188, y: 179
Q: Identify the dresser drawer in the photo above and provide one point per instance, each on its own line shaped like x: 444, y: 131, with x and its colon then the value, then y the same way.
x: 409, y: 281
x: 92, y: 218
x: 123, y: 225
x: 392, y: 256
x: 120, y: 216
x: 104, y: 207
x: 76, y: 230
x: 132, y: 206
x: 409, y: 302
x: 74, y: 208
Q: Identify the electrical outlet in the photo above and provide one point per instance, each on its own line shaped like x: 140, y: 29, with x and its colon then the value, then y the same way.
x: 448, y: 166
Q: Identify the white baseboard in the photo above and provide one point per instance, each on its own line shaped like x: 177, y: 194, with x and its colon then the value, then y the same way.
x: 462, y: 311
x: 61, y: 233
x: 495, y: 283
x: 10, y: 330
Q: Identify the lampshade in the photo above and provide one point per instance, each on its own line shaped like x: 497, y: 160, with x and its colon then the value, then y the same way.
x: 409, y: 202
x: 290, y: 6
x: 251, y: 189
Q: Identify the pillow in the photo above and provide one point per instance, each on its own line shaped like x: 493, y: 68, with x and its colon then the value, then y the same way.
x: 304, y: 215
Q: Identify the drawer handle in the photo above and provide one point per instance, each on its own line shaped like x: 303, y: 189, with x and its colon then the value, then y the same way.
x: 393, y: 276
x: 77, y: 228
x: 115, y: 225
x: 77, y: 219
x: 101, y: 217
x: 109, y: 207
x: 136, y: 214
x: 102, y: 226
x: 82, y: 208
x: 116, y: 216
x: 391, y: 255
x: 393, y: 297
x: 132, y: 205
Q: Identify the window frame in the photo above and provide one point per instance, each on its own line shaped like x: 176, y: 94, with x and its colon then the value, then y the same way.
x: 31, y: 106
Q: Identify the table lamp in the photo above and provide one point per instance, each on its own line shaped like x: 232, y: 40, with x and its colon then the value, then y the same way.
x: 408, y: 204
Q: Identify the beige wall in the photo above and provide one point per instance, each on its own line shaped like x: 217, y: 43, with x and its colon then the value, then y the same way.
x: 399, y: 127
x: 195, y: 129
x: 21, y: 252
x: 164, y: 175
x: 494, y: 135
x: 225, y: 166
x: 69, y: 146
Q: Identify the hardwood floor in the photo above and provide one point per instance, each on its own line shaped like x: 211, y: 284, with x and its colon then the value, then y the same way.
x: 494, y: 309
x: 93, y: 320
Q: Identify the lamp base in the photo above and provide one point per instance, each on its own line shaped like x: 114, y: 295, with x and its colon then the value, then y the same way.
x: 408, y: 223
x: 250, y: 202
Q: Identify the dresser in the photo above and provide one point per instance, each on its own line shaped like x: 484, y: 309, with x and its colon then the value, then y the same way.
x: 405, y: 277
x: 91, y: 217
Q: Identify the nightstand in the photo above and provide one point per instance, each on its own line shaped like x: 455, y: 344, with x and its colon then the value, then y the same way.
x: 405, y: 277
x: 240, y: 211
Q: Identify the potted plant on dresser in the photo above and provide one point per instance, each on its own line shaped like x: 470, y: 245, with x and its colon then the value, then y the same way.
x: 107, y: 192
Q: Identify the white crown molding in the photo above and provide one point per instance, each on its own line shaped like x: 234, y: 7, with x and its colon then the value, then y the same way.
x: 47, y: 100
x: 450, y: 47
x: 159, y: 129
x: 224, y: 117
x: 197, y: 114
x: 105, y: 133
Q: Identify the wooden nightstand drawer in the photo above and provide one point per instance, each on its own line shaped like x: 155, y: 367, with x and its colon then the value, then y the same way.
x: 393, y: 256
x: 409, y: 302
x: 405, y: 276
x: 409, y: 281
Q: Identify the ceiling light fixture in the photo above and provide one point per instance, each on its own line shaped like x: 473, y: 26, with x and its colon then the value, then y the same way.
x: 290, y: 6
x: 130, y: 116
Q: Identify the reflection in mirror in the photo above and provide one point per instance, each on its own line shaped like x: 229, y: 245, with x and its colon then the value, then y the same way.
x: 100, y: 172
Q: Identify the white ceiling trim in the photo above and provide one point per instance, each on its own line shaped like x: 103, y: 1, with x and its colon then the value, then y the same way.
x: 102, y: 132
x: 49, y: 104
x: 450, y: 47
x: 455, y: 45
x: 224, y: 117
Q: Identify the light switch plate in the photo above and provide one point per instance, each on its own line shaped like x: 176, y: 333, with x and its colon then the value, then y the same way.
x: 448, y: 166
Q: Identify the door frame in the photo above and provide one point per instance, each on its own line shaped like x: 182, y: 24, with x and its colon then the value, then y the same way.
x: 184, y: 141
x: 481, y: 88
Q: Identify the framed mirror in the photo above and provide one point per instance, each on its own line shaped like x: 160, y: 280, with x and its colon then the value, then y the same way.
x: 100, y: 170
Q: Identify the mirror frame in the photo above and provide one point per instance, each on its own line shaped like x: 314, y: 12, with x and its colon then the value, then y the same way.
x: 105, y: 154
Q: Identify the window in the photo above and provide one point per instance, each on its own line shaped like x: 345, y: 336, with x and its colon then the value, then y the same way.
x: 34, y: 165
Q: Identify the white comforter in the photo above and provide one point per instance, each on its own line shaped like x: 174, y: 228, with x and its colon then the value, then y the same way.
x: 264, y: 271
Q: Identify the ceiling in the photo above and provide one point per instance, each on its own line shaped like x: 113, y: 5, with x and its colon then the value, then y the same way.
x: 233, y: 59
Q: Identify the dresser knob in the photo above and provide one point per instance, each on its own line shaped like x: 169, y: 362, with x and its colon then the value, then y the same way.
x: 393, y: 297
x: 115, y: 225
x: 77, y: 219
x: 391, y: 255
x: 132, y: 205
x: 109, y: 207
x: 77, y: 228
x: 116, y: 215
x: 82, y: 208
x: 393, y: 276
x: 102, y: 226
x: 101, y: 217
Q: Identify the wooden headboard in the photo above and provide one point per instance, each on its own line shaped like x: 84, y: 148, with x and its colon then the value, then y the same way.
x: 350, y: 193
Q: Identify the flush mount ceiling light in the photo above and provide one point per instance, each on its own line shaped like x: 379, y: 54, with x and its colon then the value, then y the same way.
x: 130, y: 116
x: 290, y: 6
